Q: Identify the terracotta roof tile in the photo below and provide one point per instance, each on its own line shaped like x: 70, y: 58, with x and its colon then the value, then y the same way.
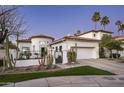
x: 42, y: 36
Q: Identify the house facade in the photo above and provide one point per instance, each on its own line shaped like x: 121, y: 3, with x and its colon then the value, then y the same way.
x: 86, y: 45
x: 35, y: 45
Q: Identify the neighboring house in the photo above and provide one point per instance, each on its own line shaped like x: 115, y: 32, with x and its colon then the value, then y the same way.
x: 35, y: 44
x: 121, y: 39
x: 86, y: 44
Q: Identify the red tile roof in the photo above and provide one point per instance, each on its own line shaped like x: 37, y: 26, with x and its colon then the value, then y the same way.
x: 42, y: 36
x: 74, y: 38
x: 25, y: 40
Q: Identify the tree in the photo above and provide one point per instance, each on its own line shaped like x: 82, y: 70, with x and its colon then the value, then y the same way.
x: 78, y: 32
x: 107, y: 42
x: 118, y: 23
x: 95, y: 18
x: 20, y: 31
x: 103, y: 44
x: 114, y: 45
x: 10, y: 21
x: 105, y: 21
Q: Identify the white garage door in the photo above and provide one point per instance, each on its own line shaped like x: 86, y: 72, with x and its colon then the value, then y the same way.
x: 84, y: 53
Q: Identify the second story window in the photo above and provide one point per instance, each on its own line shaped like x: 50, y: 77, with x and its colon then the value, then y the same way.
x: 94, y: 35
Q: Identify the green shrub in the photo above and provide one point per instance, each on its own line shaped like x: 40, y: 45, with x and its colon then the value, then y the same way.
x: 114, y: 55
x: 27, y: 54
x: 21, y: 55
x: 101, y: 53
x: 71, y: 55
x: 49, y: 60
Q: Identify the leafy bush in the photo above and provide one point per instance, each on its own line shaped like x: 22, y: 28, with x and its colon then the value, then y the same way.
x: 21, y: 55
x: 115, y: 55
x: 101, y: 53
x: 71, y: 55
x: 27, y: 54
x: 49, y: 60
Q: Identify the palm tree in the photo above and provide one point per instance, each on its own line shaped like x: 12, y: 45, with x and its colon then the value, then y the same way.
x: 118, y: 23
x: 96, y: 17
x: 105, y: 21
x: 121, y: 28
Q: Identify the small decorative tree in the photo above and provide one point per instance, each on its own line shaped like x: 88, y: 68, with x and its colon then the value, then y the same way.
x: 71, y: 55
x: 49, y: 60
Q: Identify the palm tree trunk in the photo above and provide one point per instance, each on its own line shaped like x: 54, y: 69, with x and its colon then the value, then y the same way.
x: 95, y: 25
x: 8, y: 54
x: 104, y: 27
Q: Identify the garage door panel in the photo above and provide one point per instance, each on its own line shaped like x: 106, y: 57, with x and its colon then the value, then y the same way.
x: 84, y: 53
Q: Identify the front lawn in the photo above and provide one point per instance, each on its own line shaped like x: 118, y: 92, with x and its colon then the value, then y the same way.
x: 83, y: 70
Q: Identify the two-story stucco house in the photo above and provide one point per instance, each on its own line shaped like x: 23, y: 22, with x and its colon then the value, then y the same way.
x: 35, y: 44
x: 86, y: 44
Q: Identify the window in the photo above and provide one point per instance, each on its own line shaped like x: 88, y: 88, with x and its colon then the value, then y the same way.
x: 56, y: 49
x: 94, y: 35
x: 25, y: 49
x: 60, y: 48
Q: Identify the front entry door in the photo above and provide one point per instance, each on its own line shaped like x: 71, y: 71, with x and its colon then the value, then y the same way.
x: 58, y: 57
x: 42, y: 52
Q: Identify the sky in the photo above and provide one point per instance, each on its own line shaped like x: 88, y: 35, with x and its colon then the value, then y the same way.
x: 59, y: 21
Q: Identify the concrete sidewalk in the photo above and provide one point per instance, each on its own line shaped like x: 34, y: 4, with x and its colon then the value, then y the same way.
x: 73, y: 81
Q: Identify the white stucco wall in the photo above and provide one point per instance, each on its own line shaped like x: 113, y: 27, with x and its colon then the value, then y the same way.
x: 24, y: 63
x: 98, y: 35
x: 66, y: 45
x: 39, y: 42
x: 64, y: 49
x: 87, y: 35
x: 122, y: 52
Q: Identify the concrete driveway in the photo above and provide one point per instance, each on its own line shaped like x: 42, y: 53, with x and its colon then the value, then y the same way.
x: 112, y: 66
x: 104, y: 64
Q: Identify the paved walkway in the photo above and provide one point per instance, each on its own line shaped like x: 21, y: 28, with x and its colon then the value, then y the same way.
x: 73, y: 81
